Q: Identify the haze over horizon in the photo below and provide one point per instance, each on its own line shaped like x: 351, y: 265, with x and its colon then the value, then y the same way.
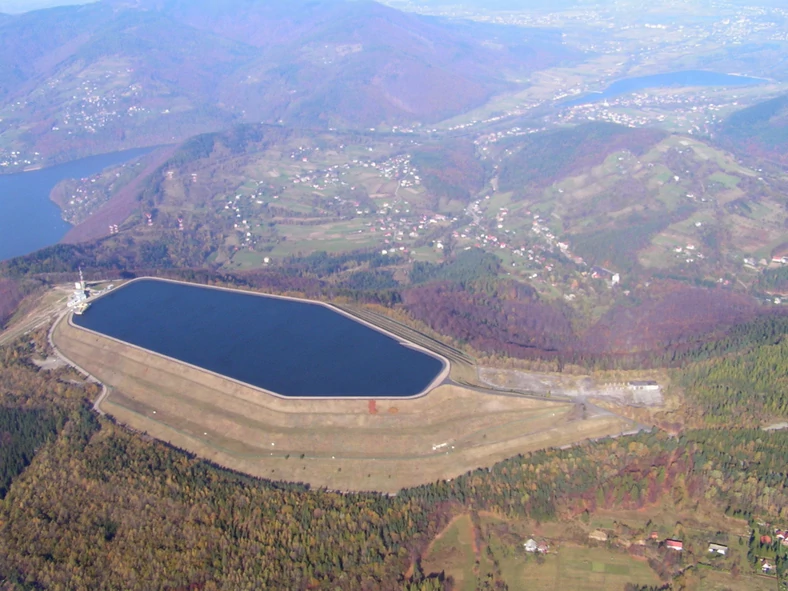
x: 21, y: 6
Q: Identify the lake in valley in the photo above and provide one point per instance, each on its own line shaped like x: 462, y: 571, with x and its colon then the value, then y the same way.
x: 29, y: 220
x: 289, y: 347
x: 686, y: 78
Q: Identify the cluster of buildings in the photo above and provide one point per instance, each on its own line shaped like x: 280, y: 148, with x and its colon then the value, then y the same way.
x: 688, y: 253
x: 89, y: 194
x: 398, y: 168
x: 93, y: 105
x: 520, y: 109
x: 691, y: 111
x: 397, y: 226
x: 18, y: 159
x: 240, y: 216
x: 768, y: 565
x: 533, y: 245
x: 395, y: 221
x: 496, y: 136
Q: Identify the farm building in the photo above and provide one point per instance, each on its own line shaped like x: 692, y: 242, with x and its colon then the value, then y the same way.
x: 643, y: 385
x: 676, y: 545
x: 598, y: 535
x: 718, y: 549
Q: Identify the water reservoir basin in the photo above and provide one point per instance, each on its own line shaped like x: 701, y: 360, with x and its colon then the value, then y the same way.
x: 293, y: 348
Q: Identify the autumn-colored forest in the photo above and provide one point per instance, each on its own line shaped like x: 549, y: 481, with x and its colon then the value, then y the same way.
x: 94, y: 506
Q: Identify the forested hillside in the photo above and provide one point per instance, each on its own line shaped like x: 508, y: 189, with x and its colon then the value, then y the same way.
x: 10, y: 296
x: 101, y: 508
x: 542, y: 159
x: 747, y: 388
x: 760, y: 130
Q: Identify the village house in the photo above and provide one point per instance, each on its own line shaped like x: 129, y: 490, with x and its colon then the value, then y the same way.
x: 718, y: 549
x: 598, y: 535
x: 676, y: 545
x: 532, y: 545
x: 643, y: 385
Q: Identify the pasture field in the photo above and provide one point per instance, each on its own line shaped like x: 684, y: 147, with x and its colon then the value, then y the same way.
x: 383, y: 445
x: 454, y: 552
x: 595, y: 568
x: 467, y: 554
x: 712, y: 580
x: 575, y: 567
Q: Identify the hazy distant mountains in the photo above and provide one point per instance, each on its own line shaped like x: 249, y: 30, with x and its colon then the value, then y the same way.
x: 107, y: 75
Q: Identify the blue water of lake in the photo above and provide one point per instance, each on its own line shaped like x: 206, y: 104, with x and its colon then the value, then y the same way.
x: 289, y: 347
x: 686, y: 78
x: 29, y: 220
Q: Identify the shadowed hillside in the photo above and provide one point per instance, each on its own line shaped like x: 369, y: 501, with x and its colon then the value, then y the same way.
x: 760, y: 130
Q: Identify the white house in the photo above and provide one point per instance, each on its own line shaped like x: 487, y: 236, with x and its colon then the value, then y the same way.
x: 718, y: 549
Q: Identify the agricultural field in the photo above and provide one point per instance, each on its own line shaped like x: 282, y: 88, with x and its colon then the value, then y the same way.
x: 339, y: 444
x: 674, y: 204
x: 712, y: 580
x: 477, y: 548
x: 493, y: 548
x: 306, y: 194
x: 574, y: 567
x: 454, y: 551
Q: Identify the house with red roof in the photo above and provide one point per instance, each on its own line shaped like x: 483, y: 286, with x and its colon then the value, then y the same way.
x: 676, y: 545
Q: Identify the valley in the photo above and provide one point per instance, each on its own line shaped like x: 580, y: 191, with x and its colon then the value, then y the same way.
x: 519, y: 312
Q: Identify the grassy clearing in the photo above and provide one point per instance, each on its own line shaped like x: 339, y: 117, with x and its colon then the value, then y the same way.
x: 726, y: 180
x: 452, y: 552
x: 590, y: 569
x: 566, y: 566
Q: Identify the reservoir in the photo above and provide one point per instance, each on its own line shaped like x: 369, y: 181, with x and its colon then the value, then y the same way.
x: 289, y: 347
x: 29, y: 220
x: 686, y: 78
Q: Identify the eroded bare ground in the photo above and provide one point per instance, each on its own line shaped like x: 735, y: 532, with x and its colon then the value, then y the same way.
x: 575, y: 387
x: 50, y: 363
x: 338, y: 444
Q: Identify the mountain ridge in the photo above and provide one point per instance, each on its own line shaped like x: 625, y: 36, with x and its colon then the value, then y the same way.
x: 117, y: 74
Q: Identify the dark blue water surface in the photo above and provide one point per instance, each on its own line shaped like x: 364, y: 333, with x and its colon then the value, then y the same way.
x: 29, y: 220
x: 289, y: 347
x: 686, y: 78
